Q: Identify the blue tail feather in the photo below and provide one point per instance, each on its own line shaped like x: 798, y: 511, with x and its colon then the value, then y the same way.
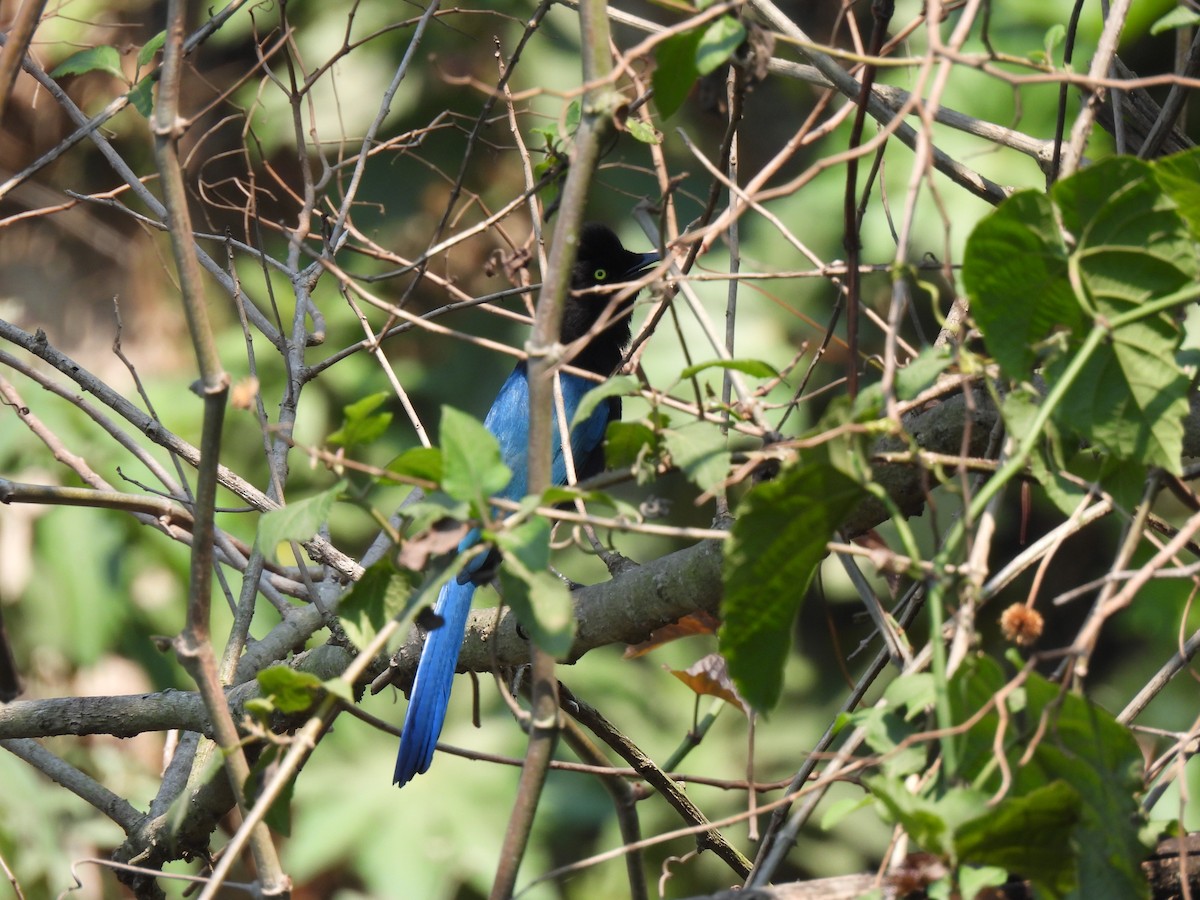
x: 431, y: 689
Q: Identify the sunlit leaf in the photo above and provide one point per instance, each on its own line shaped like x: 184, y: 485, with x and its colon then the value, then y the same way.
x: 151, y: 47
x: 702, y: 452
x: 424, y: 463
x: 642, y: 131
x: 297, y: 521
x: 719, y: 42
x: 472, y: 467
x: 755, y: 368
x: 617, y: 386
x: 292, y: 691
x: 1179, y: 17
x: 361, y: 424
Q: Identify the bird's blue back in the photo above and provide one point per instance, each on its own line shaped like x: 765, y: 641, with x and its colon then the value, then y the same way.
x: 508, y: 420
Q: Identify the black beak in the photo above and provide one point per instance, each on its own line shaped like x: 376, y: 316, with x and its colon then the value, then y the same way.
x: 643, y: 262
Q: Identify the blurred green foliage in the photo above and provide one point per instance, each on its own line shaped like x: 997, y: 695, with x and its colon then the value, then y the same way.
x: 84, y: 590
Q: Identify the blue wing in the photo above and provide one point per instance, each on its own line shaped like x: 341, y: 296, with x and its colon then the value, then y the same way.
x: 508, y: 421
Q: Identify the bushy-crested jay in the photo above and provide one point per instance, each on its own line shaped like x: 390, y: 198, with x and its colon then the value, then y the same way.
x: 601, y: 260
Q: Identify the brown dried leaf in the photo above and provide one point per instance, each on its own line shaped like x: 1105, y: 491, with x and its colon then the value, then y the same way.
x: 444, y: 536
x: 710, y: 675
x: 695, y: 623
x: 243, y: 393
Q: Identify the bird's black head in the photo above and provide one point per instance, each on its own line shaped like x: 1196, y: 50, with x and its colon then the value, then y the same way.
x: 600, y: 261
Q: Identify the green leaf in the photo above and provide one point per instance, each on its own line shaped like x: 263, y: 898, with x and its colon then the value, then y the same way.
x: 1019, y: 408
x: 93, y: 59
x: 919, y: 815
x: 778, y: 541
x: 1055, y: 35
x: 1015, y: 271
x: 1131, y: 245
x: 541, y: 600
x: 1179, y: 17
x: 1128, y: 245
x: 260, y: 708
x: 361, y: 424
x: 617, y: 386
x: 701, y: 451
x: 339, y: 688
x: 632, y: 444
x: 867, y: 406
x: 1131, y: 397
x: 1058, y: 746
x: 839, y: 809
x: 1087, y: 748
x: 297, y: 521
x: 675, y: 71
x: 1026, y: 834
x: 974, y: 882
x: 380, y: 595
x: 151, y: 47
x: 574, y: 114
x: 642, y: 131
x: 279, y: 815
x: 885, y: 732
x: 922, y: 372
x: 472, y: 467
x: 548, y: 133
x: 419, y: 462
x: 971, y: 690
x: 719, y: 42
x: 914, y: 692
x: 292, y: 691
x: 1179, y: 178
x: 755, y: 368
x: 141, y: 97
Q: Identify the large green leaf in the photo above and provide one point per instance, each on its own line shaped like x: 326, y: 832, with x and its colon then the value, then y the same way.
x: 1085, y: 747
x: 719, y: 42
x: 1131, y: 397
x: 1015, y: 271
x: 778, y: 540
x: 1105, y: 242
x: 1025, y: 834
x: 701, y: 451
x: 1179, y: 177
x: 1074, y: 777
x: 472, y: 469
x: 675, y: 71
x: 93, y: 59
x: 917, y: 813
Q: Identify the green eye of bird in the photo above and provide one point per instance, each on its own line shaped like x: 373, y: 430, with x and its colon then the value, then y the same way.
x: 600, y: 274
